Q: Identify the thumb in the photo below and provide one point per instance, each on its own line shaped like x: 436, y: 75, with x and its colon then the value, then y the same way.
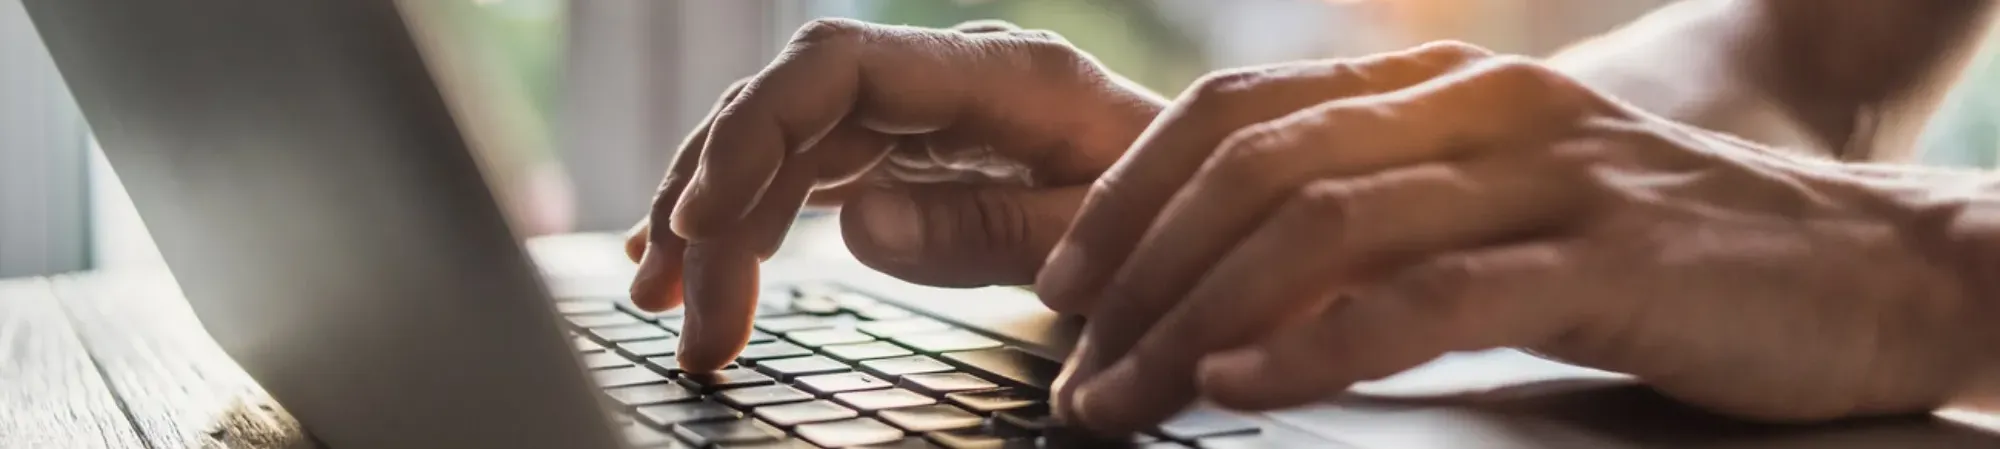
x: 958, y: 235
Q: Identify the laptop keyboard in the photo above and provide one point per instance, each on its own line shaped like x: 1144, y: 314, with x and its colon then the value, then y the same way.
x: 829, y: 367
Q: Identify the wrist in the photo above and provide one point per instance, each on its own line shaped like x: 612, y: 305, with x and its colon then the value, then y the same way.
x: 1953, y: 217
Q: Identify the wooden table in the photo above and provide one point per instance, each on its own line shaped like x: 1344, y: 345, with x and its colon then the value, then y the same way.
x: 118, y: 360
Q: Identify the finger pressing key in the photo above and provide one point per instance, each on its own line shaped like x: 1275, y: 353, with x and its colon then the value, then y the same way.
x: 1131, y: 194
x: 1332, y: 235
x: 656, y: 249
x: 1129, y: 197
x: 1433, y: 122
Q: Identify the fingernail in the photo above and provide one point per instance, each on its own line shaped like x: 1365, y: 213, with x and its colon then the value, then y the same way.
x: 1057, y: 283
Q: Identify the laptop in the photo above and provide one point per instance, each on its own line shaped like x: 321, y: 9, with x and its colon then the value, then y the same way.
x: 313, y: 194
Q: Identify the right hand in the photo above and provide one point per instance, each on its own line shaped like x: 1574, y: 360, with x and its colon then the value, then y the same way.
x: 991, y: 137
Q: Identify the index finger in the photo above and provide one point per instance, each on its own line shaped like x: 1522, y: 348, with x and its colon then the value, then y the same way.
x: 891, y: 79
x: 1134, y: 191
x: 1125, y: 201
x: 1494, y: 103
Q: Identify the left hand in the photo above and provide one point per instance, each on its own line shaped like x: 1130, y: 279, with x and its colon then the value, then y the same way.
x: 1283, y: 232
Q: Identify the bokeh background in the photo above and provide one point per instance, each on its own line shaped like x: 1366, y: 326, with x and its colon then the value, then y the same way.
x: 582, y: 101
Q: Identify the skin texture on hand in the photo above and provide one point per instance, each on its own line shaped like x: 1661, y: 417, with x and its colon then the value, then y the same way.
x: 1283, y: 232
x: 957, y: 156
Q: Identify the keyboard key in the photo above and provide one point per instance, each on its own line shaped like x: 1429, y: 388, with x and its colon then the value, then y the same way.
x: 584, y: 345
x: 773, y: 350
x: 762, y: 395
x: 1201, y: 421
x: 975, y: 438
x: 580, y: 307
x: 757, y: 336
x: 891, y: 328
x: 781, y: 444
x: 940, y: 383
x: 633, y: 332
x: 646, y: 437
x: 822, y: 337
x: 853, y: 301
x: 930, y: 417
x: 638, y: 395
x: 783, y: 324
x: 851, y: 432
x: 901, y: 366
x: 704, y: 434
x: 864, y: 351
x: 872, y: 400
x: 650, y: 348
x: 664, y: 415
x: 672, y: 367
x: 1026, y: 421
x: 816, y: 289
x: 906, y: 443
x: 626, y: 376
x: 788, y: 415
x: 727, y: 378
x: 994, y: 400
x: 946, y: 341
x: 629, y: 309
x: 1237, y: 441
x: 883, y: 312
x: 827, y: 384
x: 815, y: 305
x: 602, y: 319
x: 786, y: 369
x: 1073, y: 437
x: 1016, y: 367
x: 600, y: 360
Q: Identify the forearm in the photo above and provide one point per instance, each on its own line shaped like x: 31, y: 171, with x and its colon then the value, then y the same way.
x: 1825, y: 74
x: 1674, y: 62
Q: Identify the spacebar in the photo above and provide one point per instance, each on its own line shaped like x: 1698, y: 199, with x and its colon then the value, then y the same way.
x: 1011, y: 365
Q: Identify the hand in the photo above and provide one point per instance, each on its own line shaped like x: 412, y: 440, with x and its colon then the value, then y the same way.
x: 1284, y: 232
x: 989, y: 133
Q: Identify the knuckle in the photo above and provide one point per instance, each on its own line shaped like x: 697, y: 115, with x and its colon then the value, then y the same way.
x: 1251, y: 157
x: 985, y: 26
x: 1322, y: 205
x: 663, y: 205
x: 1452, y: 51
x: 828, y: 30
x: 735, y: 88
x: 1439, y: 289
x: 1225, y: 90
x: 1041, y: 35
x: 1056, y: 55
x: 1529, y: 80
x: 994, y: 222
x: 1051, y: 60
x: 1520, y: 72
x: 967, y: 225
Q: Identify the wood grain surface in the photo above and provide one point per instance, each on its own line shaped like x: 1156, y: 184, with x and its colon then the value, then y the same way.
x: 51, y: 394
x: 179, y: 388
